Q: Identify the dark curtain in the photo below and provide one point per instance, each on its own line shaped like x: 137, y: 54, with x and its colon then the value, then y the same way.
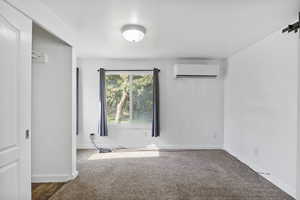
x: 102, y: 125
x: 77, y: 101
x: 155, y: 120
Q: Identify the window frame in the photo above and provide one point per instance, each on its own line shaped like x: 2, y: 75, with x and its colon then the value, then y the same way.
x: 128, y: 125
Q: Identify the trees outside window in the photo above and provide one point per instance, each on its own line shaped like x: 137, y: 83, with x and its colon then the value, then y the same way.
x: 129, y: 98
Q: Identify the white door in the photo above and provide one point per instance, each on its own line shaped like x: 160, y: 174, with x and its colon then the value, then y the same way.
x: 15, y: 78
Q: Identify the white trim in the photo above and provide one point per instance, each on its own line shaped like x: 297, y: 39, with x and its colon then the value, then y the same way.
x: 126, y: 125
x: 273, y: 179
x: 298, y: 127
x: 74, y: 174
x: 73, y: 134
x: 162, y: 147
x: 184, y: 147
x: 85, y: 146
x: 46, y: 18
x: 47, y: 178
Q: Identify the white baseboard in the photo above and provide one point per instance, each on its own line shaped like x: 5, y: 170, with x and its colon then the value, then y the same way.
x: 49, y: 178
x: 74, y: 174
x: 85, y: 146
x: 273, y: 179
x: 182, y: 147
x: 170, y: 147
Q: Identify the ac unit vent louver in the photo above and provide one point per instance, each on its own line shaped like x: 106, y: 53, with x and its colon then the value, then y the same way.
x: 196, y: 71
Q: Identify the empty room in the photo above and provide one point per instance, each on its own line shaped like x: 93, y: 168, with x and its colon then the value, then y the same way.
x: 149, y: 100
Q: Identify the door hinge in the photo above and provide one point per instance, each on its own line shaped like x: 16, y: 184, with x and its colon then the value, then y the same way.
x: 27, y: 135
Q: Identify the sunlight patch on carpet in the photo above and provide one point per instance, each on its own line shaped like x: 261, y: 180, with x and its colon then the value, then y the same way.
x: 115, y: 155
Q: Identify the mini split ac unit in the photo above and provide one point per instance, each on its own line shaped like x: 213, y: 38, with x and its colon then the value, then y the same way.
x: 196, y: 70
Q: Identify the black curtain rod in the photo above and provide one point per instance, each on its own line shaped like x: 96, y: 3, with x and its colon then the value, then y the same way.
x: 128, y: 70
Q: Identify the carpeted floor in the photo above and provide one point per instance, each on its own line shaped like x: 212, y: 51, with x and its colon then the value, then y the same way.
x: 162, y: 175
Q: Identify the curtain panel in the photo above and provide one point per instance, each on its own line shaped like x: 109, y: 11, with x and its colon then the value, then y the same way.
x: 155, y: 119
x: 102, y: 125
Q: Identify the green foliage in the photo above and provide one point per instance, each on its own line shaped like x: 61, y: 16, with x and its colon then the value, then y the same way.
x: 142, y: 97
x: 141, y: 87
x: 115, y: 85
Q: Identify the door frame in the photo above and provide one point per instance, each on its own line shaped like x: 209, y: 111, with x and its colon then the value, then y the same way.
x: 298, y: 135
x: 39, y: 13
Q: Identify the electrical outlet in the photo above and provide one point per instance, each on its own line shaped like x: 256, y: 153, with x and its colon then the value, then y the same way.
x: 215, y: 135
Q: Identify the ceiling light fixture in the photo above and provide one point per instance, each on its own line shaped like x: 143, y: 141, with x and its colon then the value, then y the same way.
x: 133, y: 32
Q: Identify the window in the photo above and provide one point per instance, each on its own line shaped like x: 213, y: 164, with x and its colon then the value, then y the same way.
x: 129, y: 99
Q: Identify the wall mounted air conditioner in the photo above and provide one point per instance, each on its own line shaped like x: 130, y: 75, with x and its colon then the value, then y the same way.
x: 196, y: 70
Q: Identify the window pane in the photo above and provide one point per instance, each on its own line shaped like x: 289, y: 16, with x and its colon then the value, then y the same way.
x: 117, y: 98
x: 129, y: 99
x: 142, y: 99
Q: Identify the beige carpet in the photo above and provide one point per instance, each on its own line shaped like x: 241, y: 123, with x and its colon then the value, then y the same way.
x: 172, y: 175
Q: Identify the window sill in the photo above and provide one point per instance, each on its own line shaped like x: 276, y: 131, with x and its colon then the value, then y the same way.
x: 126, y: 126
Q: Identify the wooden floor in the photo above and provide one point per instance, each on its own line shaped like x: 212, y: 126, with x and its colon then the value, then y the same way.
x: 43, y: 191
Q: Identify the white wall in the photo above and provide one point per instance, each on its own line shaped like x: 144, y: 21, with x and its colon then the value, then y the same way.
x: 191, y: 109
x: 51, y: 110
x: 260, y: 113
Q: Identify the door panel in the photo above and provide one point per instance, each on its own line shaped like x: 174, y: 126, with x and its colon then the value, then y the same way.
x: 9, y: 181
x: 9, y: 147
x: 8, y: 84
x: 15, y: 65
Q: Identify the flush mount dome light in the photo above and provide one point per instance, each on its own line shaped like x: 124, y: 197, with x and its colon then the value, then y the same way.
x: 133, y: 32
